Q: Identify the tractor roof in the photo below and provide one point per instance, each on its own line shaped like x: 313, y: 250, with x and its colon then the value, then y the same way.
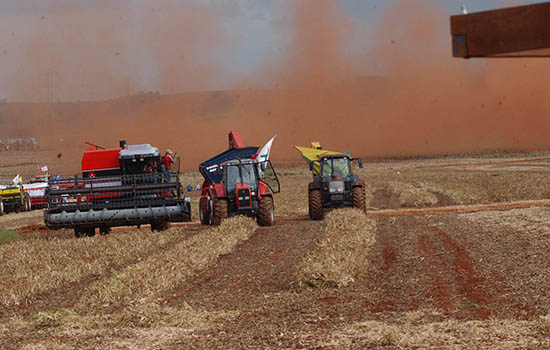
x: 143, y: 151
x: 337, y: 155
x: 241, y: 161
x: 209, y: 168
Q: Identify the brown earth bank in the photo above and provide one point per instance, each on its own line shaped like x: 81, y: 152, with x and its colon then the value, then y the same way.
x: 464, y: 269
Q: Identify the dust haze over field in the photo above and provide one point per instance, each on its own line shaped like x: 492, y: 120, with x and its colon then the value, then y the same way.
x: 404, y: 95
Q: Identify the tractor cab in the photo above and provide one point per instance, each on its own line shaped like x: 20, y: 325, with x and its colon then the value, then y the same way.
x: 246, y: 188
x: 335, y: 167
x: 246, y: 180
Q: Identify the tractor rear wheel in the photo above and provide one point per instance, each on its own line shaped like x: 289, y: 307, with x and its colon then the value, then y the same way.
x: 358, y: 198
x: 315, y: 205
x: 204, y: 211
x: 267, y: 212
x: 220, y: 211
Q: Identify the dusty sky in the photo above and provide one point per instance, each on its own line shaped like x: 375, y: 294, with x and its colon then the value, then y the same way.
x: 98, y: 49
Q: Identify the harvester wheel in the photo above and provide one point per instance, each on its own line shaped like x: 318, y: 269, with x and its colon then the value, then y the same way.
x: 28, y: 205
x: 90, y: 231
x: 204, y: 211
x: 358, y: 198
x: 267, y: 212
x: 315, y: 205
x: 1, y: 207
x: 220, y: 211
x: 160, y: 226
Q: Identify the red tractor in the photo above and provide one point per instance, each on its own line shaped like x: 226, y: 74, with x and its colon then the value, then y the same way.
x: 237, y: 183
x: 122, y: 186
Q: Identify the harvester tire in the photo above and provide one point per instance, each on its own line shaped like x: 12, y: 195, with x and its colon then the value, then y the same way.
x: 220, y: 211
x: 204, y: 212
x: 90, y: 232
x: 267, y: 212
x: 358, y: 198
x: 28, y: 205
x: 1, y: 207
x: 160, y: 226
x: 315, y: 205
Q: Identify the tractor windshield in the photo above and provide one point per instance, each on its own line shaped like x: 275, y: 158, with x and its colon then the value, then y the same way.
x: 336, y: 167
x: 247, y: 174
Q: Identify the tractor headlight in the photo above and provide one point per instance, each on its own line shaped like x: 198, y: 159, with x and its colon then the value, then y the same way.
x: 336, y: 187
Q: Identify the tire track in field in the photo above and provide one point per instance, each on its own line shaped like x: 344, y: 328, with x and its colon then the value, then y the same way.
x: 456, y: 283
x: 474, y: 164
x: 264, y: 263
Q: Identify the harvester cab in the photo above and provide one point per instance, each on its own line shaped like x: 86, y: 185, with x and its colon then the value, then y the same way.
x: 334, y: 184
x: 237, y: 183
x: 136, y: 159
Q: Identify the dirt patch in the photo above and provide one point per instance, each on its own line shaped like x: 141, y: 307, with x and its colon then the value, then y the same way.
x: 444, y: 200
x: 385, y: 199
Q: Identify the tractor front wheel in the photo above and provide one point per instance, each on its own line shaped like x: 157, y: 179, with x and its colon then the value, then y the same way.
x: 204, y: 211
x: 315, y: 205
x: 220, y: 211
x: 358, y: 198
x: 267, y: 212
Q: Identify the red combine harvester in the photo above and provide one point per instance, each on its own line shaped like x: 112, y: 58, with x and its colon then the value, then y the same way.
x: 119, y: 187
x: 236, y: 182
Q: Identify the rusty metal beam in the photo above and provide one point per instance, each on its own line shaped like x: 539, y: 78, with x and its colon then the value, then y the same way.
x: 522, y: 31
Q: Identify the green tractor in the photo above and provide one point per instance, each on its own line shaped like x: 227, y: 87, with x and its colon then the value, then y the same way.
x: 334, y: 184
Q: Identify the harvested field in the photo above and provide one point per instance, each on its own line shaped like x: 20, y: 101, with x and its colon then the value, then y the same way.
x: 448, y: 257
